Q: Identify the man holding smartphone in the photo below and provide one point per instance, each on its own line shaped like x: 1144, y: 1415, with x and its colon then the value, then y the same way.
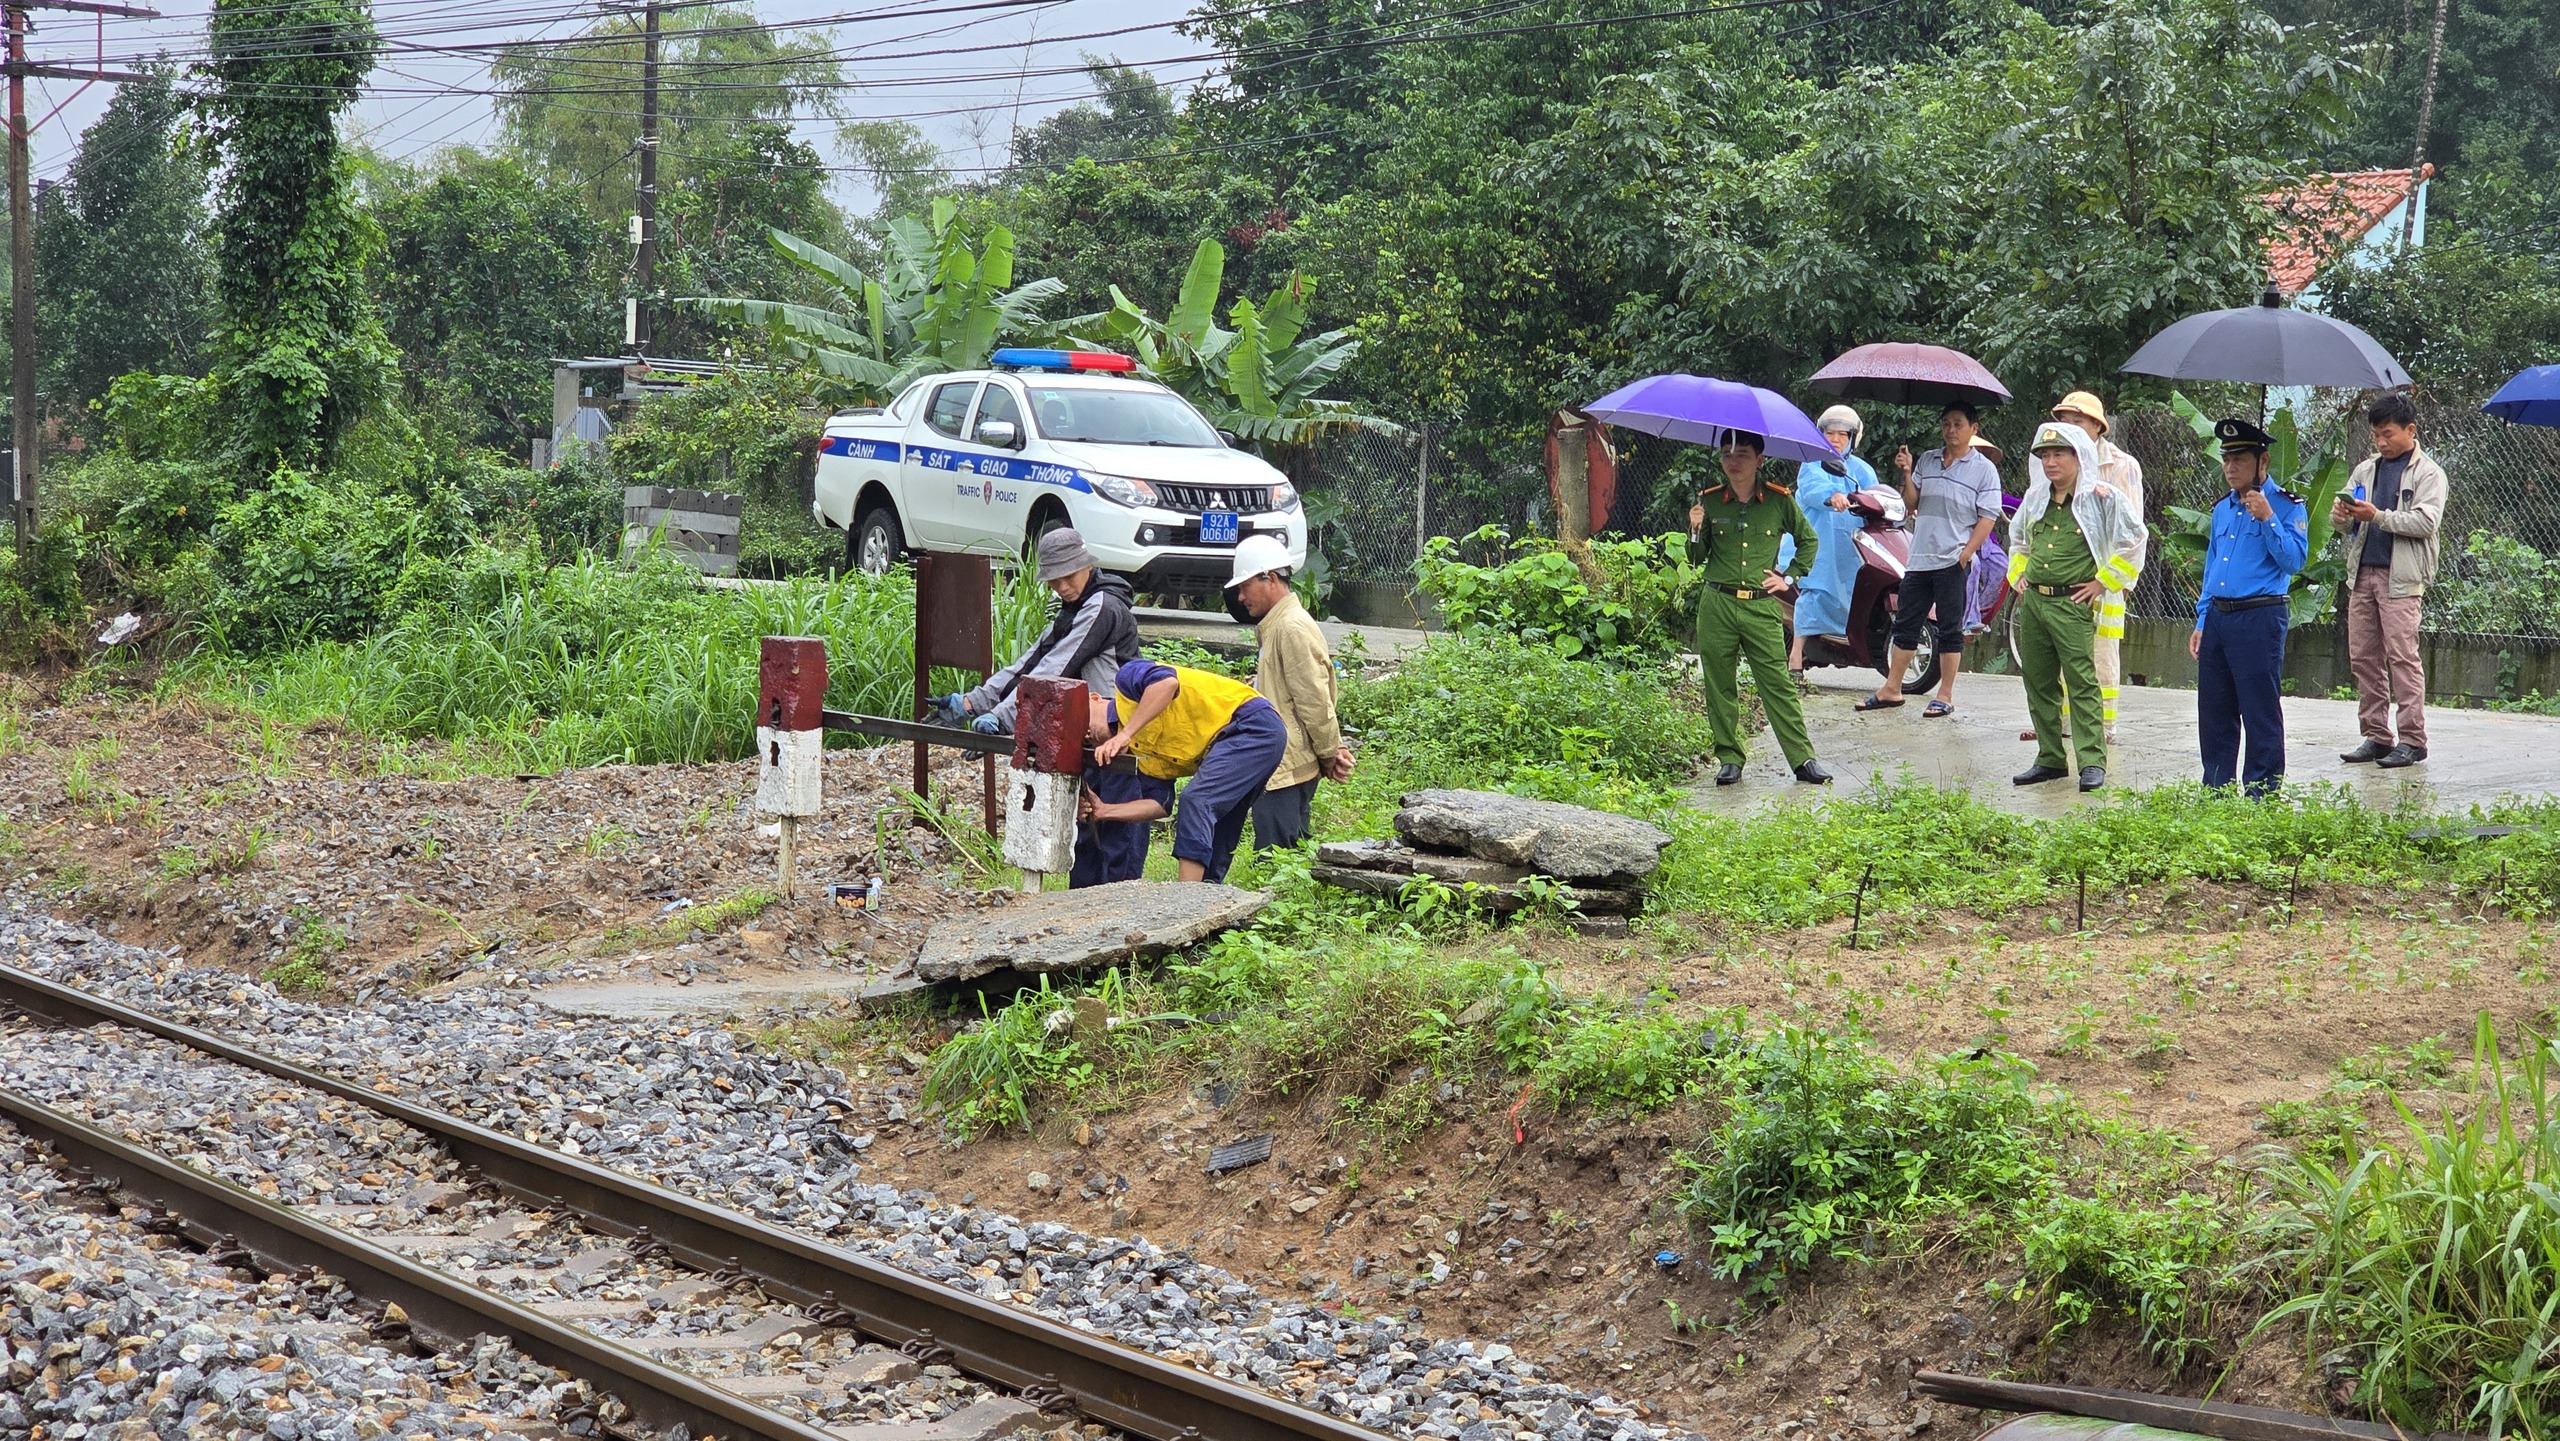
x: 2394, y: 504
x: 2259, y: 541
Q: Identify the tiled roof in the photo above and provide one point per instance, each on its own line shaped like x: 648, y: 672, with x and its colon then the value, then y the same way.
x: 2324, y: 217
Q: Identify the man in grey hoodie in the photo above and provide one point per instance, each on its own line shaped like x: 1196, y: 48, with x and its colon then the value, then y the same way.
x: 1093, y: 635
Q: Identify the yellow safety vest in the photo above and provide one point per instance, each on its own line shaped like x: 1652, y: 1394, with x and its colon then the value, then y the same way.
x: 1170, y: 746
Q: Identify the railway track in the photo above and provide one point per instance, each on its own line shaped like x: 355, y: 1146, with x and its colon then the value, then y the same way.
x: 828, y: 1339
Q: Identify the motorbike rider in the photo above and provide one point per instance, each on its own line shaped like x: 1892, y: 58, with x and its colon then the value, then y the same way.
x: 1823, y: 490
x: 1093, y: 635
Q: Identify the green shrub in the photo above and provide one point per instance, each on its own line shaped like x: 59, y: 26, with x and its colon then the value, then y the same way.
x: 2435, y: 1265
x: 1489, y: 709
x: 1533, y: 590
x: 2495, y: 585
x: 1826, y: 1151
x: 305, y: 558
x: 1825, y: 1146
x: 749, y: 433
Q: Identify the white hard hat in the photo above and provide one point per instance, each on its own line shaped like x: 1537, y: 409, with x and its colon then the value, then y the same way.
x: 1256, y: 554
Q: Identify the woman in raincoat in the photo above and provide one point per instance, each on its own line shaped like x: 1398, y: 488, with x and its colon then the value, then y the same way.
x: 1822, y: 597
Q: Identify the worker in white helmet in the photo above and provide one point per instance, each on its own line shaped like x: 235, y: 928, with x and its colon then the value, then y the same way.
x: 1294, y: 671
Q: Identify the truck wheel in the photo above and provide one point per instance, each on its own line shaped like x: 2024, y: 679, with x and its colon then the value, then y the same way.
x: 874, y: 544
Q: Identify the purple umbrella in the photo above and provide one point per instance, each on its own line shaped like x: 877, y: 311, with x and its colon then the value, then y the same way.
x: 1703, y: 410
x: 1903, y: 374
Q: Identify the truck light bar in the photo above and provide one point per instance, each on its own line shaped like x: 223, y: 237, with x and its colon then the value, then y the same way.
x: 1061, y: 360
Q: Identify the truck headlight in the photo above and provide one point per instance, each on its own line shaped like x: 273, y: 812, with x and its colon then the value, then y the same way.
x: 1121, y: 490
x: 1283, y: 496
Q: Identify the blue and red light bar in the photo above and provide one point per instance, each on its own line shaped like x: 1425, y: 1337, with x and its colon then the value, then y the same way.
x: 1061, y: 360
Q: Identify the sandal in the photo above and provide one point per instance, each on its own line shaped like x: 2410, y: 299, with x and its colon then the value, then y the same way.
x: 1877, y: 702
x: 1937, y: 708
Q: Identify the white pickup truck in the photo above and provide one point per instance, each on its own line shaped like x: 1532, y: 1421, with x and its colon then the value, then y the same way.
x: 983, y: 461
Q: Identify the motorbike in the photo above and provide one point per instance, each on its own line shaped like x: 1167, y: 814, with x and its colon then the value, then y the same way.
x: 1884, y: 553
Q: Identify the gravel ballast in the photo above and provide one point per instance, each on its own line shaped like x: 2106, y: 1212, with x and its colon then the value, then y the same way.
x: 780, y: 1139
x: 112, y: 1331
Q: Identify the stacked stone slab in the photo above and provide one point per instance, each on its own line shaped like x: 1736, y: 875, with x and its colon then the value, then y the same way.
x: 1495, y: 843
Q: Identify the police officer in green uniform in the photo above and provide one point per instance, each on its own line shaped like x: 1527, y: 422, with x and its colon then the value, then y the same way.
x: 1734, y: 530
x: 2069, y: 524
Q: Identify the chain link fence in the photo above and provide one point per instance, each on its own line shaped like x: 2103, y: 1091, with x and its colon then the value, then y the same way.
x: 2498, y: 570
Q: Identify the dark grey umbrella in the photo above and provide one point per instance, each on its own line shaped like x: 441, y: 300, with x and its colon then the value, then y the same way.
x: 2269, y: 344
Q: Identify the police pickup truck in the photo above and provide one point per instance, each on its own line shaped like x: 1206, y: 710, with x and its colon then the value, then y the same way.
x: 984, y: 461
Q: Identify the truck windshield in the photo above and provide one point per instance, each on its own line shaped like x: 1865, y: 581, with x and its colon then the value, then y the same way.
x: 1119, y: 417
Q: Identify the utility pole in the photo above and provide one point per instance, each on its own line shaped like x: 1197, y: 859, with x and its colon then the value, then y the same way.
x: 2426, y: 114
x: 644, y: 226
x: 25, y: 425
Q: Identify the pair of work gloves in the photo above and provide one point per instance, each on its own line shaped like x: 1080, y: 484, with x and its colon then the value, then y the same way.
x: 953, y: 710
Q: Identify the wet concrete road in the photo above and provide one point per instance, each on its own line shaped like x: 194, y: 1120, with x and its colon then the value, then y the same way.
x: 2473, y: 756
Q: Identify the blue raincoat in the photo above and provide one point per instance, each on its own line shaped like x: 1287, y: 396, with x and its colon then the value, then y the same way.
x: 1822, y: 600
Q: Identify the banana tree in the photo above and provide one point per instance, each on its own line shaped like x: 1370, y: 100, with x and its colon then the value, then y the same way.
x: 2315, y: 483
x: 938, y: 304
x: 1258, y: 376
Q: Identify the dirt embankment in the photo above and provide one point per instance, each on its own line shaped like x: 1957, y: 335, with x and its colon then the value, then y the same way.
x: 252, y: 846
x: 2192, y: 1009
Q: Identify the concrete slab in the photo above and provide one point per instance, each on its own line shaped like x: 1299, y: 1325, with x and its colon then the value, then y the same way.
x: 709, y: 999
x: 2473, y: 756
x: 1081, y: 930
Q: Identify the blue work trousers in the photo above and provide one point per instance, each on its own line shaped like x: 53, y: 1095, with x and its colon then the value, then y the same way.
x: 1108, y: 851
x: 2239, y: 688
x: 1219, y: 797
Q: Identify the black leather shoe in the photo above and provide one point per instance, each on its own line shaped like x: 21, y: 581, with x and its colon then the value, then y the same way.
x: 2038, y: 775
x: 1812, y: 774
x: 1727, y: 775
x: 2093, y: 778
x: 2368, y: 751
x: 2403, y: 755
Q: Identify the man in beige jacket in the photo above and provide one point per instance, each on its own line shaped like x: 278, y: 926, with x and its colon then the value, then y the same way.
x: 1295, y: 673
x: 2393, y: 505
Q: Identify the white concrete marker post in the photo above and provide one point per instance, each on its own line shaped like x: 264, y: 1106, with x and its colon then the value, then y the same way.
x: 1046, y: 778
x: 791, y: 686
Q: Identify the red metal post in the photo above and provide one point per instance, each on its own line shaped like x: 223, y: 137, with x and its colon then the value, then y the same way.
x: 955, y: 629
x: 1049, y: 718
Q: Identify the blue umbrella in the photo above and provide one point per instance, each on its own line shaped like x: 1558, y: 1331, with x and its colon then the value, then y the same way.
x: 1704, y: 411
x: 2532, y: 397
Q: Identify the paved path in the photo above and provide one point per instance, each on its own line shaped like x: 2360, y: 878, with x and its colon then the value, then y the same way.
x: 2476, y: 756
x: 1213, y: 628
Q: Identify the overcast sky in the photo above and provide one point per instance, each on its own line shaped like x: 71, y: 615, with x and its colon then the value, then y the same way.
x: 418, y: 99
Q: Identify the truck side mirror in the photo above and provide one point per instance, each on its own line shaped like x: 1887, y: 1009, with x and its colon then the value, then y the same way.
x: 1233, y: 440
x: 1002, y: 434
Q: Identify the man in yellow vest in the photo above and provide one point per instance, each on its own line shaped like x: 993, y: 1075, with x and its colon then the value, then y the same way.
x: 1220, y: 732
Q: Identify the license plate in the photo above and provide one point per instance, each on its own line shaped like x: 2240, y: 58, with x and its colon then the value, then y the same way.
x: 1217, y: 527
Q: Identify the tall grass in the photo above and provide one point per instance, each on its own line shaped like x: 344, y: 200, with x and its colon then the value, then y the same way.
x: 589, y: 662
x: 2435, y: 1266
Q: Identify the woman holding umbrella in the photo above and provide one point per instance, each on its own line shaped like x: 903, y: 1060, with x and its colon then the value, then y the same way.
x: 1823, y: 490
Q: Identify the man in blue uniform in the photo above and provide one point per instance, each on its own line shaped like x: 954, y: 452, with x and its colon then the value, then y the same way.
x: 2259, y: 541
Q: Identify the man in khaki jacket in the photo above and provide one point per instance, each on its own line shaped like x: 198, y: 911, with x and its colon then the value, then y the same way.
x: 1295, y: 673
x: 2393, y: 505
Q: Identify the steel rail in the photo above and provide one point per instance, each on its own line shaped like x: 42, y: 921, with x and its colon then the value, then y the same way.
x: 1117, y: 1385
x: 438, y: 1304
x: 2225, y: 1420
